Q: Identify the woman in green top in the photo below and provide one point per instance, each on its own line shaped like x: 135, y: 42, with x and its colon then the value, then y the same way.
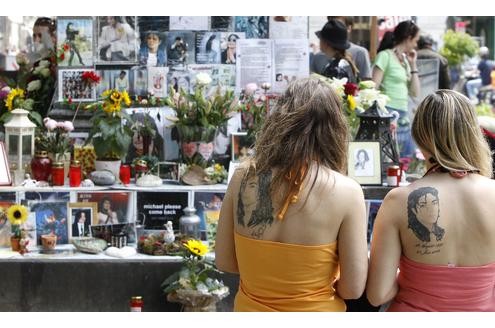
x: 396, y: 74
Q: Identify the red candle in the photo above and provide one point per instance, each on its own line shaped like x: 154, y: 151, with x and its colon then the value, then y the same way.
x: 58, y: 174
x: 136, y: 304
x: 75, y: 174
x: 125, y: 174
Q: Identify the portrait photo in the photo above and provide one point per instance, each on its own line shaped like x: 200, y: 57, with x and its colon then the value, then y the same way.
x: 105, y: 232
x: 81, y: 218
x: 241, y: 146
x: 180, y: 48
x: 157, y: 81
x: 72, y: 86
x: 179, y: 80
x: 117, y: 39
x: 255, y: 27
x: 153, y: 49
x: 228, y: 45
x: 51, y: 219
x: 75, y: 36
x: 113, y: 207
x: 139, y: 76
x: 208, y: 47
x: 120, y: 78
x: 169, y: 172
x: 364, y: 162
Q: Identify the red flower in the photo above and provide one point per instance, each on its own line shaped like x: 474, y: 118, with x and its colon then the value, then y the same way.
x: 90, y: 77
x: 69, y: 100
x: 351, y: 89
x: 66, y: 47
x: 62, y: 56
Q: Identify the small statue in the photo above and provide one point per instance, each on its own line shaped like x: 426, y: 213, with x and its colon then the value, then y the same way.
x: 169, y: 236
x: 28, y: 182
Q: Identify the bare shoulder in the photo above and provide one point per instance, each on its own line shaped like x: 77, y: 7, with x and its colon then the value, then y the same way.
x: 335, y: 182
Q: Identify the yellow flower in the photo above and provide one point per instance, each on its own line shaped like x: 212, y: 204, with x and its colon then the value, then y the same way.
x: 218, y: 168
x: 106, y: 93
x: 9, y: 102
x: 116, y: 97
x: 126, y: 98
x: 17, y: 214
x: 351, y: 102
x: 196, y: 247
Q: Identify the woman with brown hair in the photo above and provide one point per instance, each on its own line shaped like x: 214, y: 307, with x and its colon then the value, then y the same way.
x: 290, y: 218
x: 439, y: 231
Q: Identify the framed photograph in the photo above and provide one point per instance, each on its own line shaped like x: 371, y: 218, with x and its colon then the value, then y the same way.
x: 240, y: 146
x: 364, y: 162
x: 157, y: 81
x: 156, y: 144
x: 6, y: 200
x: 139, y: 77
x: 117, y: 40
x: 169, y: 171
x: 51, y: 219
x: 81, y: 216
x: 113, y: 207
x: 222, y: 23
x: 208, y: 47
x: 228, y: 43
x: 5, y: 179
x: 75, y: 34
x: 120, y: 80
x: 180, y: 48
x: 71, y: 85
x: 154, y: 209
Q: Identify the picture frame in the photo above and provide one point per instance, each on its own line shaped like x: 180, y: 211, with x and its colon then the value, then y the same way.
x: 169, y: 172
x: 76, y: 33
x: 120, y: 205
x: 50, y: 218
x: 71, y: 85
x: 364, y: 162
x: 89, y: 210
x: 116, y: 40
x: 5, y: 178
x: 240, y: 146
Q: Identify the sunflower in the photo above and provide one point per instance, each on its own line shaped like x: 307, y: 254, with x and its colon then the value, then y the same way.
x: 196, y: 247
x: 125, y: 97
x: 17, y: 214
x: 13, y: 94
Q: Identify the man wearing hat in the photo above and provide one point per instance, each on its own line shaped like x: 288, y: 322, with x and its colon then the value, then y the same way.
x: 425, y: 51
x: 359, y: 55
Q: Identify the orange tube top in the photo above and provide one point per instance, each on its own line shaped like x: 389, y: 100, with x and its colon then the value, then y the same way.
x: 286, y: 277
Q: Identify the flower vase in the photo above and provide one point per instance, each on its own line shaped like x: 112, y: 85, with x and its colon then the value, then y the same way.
x: 195, y: 301
x: 112, y: 166
x: 15, y: 243
x: 196, y: 144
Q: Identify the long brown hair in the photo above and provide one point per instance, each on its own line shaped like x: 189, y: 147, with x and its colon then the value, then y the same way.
x: 344, y: 54
x: 307, y: 126
x: 446, y: 126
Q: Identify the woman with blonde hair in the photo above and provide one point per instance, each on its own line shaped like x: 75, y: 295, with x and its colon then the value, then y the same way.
x: 439, y: 231
x: 290, y: 218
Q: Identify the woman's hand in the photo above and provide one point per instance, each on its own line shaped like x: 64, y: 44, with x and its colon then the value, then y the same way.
x: 411, y: 57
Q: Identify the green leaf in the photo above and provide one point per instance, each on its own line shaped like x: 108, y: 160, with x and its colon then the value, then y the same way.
x: 36, y: 118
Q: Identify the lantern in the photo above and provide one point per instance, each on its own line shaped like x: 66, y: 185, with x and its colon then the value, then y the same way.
x: 374, y: 125
x: 19, y: 136
x: 189, y: 223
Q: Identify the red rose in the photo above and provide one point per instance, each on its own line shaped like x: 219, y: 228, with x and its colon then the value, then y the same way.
x: 351, y: 89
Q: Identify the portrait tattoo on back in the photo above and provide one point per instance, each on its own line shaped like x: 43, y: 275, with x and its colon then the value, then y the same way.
x: 423, y: 211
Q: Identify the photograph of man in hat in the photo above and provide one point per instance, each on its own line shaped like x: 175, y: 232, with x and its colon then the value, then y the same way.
x: 333, y: 42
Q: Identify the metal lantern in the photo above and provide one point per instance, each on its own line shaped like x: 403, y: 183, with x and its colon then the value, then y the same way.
x: 19, y: 136
x: 189, y: 223
x: 375, y: 126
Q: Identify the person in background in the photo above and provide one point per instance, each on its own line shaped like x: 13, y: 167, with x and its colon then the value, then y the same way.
x: 395, y: 73
x: 152, y: 53
x: 425, y: 51
x: 359, y: 55
x: 439, y: 231
x: 485, y: 67
x: 290, y: 217
x: 333, y: 42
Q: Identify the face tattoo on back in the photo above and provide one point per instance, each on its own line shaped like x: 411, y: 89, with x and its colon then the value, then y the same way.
x: 423, y: 212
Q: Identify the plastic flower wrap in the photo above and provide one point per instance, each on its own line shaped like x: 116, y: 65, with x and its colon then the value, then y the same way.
x: 216, y: 173
x: 194, y: 274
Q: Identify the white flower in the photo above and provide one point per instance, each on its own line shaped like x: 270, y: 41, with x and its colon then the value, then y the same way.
x: 37, y: 70
x: 250, y: 88
x: 45, y: 72
x: 266, y: 86
x: 22, y: 59
x: 68, y: 126
x: 203, y: 79
x: 34, y: 85
x: 210, y: 170
x: 44, y: 63
x: 6, y: 89
x: 367, y: 85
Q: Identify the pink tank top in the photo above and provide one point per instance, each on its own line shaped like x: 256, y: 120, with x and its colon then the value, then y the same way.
x: 441, y: 288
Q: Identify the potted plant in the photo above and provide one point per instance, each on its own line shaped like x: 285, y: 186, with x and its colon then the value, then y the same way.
x: 110, y: 132
x: 17, y: 215
x: 192, y: 286
x: 198, y: 117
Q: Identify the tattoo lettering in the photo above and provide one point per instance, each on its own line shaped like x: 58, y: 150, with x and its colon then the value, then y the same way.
x: 423, y: 211
x: 428, y: 248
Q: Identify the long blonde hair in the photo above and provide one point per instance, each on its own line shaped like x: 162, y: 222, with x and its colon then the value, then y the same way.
x: 307, y: 126
x: 446, y: 126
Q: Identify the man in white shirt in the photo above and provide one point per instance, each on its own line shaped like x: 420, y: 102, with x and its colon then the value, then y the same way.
x: 117, y: 41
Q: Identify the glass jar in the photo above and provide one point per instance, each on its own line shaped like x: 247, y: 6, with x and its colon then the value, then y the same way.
x: 125, y: 174
x: 140, y: 168
x: 41, y: 166
x: 75, y: 173
x: 189, y: 223
x: 58, y: 174
x: 136, y: 304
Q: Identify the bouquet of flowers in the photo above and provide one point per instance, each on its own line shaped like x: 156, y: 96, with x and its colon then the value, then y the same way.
x: 111, y: 138
x: 253, y: 110
x: 192, y: 285
x: 56, y: 139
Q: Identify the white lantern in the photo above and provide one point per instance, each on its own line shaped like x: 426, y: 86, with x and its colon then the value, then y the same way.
x: 19, y: 137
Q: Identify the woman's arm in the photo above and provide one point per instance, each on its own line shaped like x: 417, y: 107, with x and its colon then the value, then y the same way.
x: 386, y: 251
x: 225, y: 257
x: 353, y: 248
x: 377, y: 76
x: 414, y: 86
